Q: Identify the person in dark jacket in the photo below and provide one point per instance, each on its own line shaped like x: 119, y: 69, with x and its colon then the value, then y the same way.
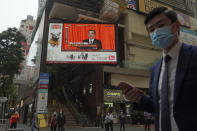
x: 33, y: 124
x: 122, y: 120
x: 173, y: 81
x: 106, y: 121
x: 53, y: 122
x: 92, y: 41
x: 147, y: 117
x: 61, y: 119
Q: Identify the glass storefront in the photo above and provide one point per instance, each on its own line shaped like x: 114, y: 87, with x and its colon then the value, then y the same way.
x: 114, y: 102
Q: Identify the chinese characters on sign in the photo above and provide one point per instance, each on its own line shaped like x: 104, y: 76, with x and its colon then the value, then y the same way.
x: 146, y: 6
x: 43, y: 93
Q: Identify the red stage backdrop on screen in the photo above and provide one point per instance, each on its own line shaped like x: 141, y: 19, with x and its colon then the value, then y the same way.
x: 74, y: 36
x: 81, y: 43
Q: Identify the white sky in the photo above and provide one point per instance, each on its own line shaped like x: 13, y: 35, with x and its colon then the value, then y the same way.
x: 13, y: 11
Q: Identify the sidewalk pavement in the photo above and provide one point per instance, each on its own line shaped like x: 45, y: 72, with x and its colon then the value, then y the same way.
x: 116, y: 128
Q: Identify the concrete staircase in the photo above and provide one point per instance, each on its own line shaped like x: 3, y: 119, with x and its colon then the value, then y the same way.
x: 70, y: 120
x: 61, y: 100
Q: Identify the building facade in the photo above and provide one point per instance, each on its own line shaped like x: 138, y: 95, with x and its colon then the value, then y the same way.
x: 27, y: 27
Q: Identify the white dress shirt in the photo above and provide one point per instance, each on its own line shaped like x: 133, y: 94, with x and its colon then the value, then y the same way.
x: 91, y: 41
x: 174, y: 54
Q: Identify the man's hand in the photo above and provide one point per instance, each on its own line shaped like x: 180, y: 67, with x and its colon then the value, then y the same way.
x: 131, y: 93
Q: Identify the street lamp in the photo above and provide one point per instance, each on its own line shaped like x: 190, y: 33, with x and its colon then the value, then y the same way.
x: 90, y: 88
x: 84, y: 91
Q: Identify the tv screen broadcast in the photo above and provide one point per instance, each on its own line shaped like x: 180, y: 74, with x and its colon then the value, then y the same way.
x: 81, y: 43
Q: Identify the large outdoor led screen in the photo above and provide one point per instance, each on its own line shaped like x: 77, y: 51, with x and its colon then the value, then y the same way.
x: 81, y: 43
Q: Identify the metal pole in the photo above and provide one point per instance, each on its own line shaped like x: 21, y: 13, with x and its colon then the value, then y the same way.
x: 3, y: 110
x: 194, y: 9
x: 6, y: 125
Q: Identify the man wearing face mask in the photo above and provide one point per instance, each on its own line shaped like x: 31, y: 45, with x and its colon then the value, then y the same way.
x: 61, y: 119
x: 173, y: 80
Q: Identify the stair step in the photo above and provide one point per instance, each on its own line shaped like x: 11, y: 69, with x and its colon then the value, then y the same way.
x: 70, y: 121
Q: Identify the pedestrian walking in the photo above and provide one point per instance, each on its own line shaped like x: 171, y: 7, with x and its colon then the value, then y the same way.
x: 111, y: 119
x: 147, y: 117
x: 102, y: 120
x: 13, y: 120
x: 33, y: 125
x: 122, y: 120
x: 53, y: 122
x: 61, y: 119
x: 106, y: 121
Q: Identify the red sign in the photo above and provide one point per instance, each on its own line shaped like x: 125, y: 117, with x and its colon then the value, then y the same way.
x: 43, y: 86
x: 55, y: 26
x: 111, y: 57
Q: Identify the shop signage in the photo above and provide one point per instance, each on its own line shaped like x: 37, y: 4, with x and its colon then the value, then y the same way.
x: 126, y: 4
x: 109, y: 104
x: 188, y: 36
x: 146, y: 6
x: 184, y: 19
x: 44, y: 76
x: 3, y: 99
x: 42, y: 100
x: 132, y: 4
x: 122, y: 4
x: 112, y: 95
x: 42, y: 119
x: 44, y: 80
x: 43, y: 93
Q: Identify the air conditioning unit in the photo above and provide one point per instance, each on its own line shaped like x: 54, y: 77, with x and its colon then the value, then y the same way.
x: 110, y: 11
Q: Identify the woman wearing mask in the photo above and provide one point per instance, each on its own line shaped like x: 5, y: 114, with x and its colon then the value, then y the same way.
x: 53, y: 122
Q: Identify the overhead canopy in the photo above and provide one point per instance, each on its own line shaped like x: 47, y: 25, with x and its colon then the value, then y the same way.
x: 63, y: 11
x: 88, y: 5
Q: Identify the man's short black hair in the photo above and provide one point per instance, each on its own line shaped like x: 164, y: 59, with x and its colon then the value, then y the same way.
x: 159, y: 10
x: 93, y: 31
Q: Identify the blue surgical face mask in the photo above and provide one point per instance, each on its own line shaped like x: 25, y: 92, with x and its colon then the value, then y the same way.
x: 162, y: 37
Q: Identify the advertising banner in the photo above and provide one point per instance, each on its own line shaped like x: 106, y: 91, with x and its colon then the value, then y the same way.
x: 3, y: 99
x: 112, y: 95
x: 42, y: 101
x: 122, y: 3
x: 184, y: 19
x: 44, y: 80
x: 188, y: 36
x: 132, y: 4
x: 81, y: 43
x: 146, y: 6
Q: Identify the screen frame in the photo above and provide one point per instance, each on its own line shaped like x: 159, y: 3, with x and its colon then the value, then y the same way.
x: 88, y: 62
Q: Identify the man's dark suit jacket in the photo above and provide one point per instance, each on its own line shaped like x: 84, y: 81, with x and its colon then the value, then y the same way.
x: 95, y: 42
x: 185, y: 91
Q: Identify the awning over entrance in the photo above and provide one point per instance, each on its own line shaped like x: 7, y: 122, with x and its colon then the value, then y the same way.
x: 138, y: 78
x: 137, y: 81
x: 62, y: 11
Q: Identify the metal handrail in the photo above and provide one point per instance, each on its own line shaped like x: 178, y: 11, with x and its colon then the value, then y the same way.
x: 71, y: 108
x: 5, y: 123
